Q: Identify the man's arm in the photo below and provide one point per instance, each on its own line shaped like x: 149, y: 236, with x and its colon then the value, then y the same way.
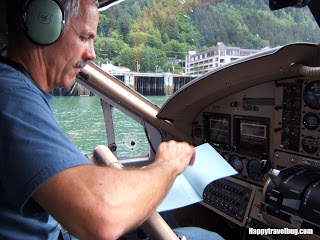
x: 103, y: 203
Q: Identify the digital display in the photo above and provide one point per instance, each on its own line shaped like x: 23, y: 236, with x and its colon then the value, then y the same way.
x: 253, y: 130
x: 219, y: 125
x: 217, y: 129
x: 251, y: 135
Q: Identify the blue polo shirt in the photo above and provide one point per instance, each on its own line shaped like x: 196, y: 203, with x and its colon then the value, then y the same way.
x: 32, y: 150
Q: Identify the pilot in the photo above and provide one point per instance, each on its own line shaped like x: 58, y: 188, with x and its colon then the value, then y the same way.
x: 44, y: 179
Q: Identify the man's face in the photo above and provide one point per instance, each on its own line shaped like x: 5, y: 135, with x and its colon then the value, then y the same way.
x: 66, y: 57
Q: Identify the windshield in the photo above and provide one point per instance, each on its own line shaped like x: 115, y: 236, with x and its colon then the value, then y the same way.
x: 144, y: 43
x: 156, y: 36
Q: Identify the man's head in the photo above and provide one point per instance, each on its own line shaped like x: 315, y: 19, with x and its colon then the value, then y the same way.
x: 59, y: 62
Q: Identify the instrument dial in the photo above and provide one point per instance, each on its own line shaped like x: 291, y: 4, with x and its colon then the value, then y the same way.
x: 254, y: 171
x: 311, y: 121
x: 236, y: 162
x: 310, y: 144
x: 311, y: 95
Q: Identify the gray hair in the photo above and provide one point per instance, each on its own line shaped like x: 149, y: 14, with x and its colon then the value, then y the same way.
x: 71, y: 8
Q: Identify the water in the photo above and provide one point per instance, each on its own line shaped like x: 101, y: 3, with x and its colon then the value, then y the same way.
x: 81, y: 119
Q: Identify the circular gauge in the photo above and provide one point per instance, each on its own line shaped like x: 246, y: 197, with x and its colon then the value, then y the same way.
x: 311, y: 95
x: 236, y: 162
x: 311, y: 121
x: 310, y: 144
x: 254, y: 171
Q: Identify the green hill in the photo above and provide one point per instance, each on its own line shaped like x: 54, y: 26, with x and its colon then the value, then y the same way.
x: 149, y: 31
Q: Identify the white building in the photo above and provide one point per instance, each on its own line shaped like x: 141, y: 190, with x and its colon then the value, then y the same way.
x: 110, y: 68
x: 199, y: 63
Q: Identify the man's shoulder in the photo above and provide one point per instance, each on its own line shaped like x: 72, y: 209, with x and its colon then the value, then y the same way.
x: 15, y: 84
x: 11, y: 78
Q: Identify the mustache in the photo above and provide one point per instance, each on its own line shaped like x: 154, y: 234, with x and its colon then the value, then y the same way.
x: 81, y: 64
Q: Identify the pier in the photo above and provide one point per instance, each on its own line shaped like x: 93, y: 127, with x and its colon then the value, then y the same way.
x: 148, y: 84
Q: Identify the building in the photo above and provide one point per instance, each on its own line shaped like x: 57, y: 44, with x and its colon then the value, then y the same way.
x: 199, y: 63
x: 110, y: 68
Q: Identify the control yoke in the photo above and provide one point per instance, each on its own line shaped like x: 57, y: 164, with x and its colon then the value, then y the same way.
x: 291, y: 196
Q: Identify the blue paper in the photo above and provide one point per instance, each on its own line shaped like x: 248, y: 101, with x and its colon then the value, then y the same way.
x: 188, y: 187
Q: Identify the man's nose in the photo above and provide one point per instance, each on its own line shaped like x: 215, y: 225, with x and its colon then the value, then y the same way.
x: 90, y: 54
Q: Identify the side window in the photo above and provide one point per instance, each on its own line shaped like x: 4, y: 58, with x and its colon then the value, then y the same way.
x: 130, y: 136
x: 81, y: 118
x: 127, y: 133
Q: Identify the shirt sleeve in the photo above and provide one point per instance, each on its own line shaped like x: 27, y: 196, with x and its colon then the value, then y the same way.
x: 32, y: 146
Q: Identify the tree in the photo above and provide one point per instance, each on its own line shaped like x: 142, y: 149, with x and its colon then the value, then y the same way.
x: 114, y: 48
x: 165, y: 38
x: 100, y: 46
x: 126, y: 57
x: 168, y: 67
x: 154, y: 42
x: 138, y: 38
x: 171, y: 28
x: 103, y: 25
x: 137, y: 56
x: 152, y: 57
x: 124, y: 24
x: 156, y: 33
x: 109, y: 47
x: 175, y: 49
x: 135, y: 10
x: 100, y: 57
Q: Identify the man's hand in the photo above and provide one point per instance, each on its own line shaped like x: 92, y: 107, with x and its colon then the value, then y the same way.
x: 177, y: 155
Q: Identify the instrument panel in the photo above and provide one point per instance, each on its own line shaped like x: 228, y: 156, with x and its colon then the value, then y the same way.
x: 252, y: 110
x: 249, y: 126
x: 276, y: 121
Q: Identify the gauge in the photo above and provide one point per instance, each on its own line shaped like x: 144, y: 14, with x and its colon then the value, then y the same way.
x: 311, y: 121
x: 254, y: 171
x: 236, y: 162
x: 311, y: 95
x: 310, y: 144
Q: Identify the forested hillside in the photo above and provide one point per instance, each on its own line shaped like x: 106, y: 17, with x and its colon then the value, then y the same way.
x: 149, y: 31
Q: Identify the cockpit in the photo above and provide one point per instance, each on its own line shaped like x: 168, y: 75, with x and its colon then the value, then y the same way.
x: 260, y: 111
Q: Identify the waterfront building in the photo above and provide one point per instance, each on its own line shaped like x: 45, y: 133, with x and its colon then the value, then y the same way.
x: 112, y: 69
x: 199, y: 63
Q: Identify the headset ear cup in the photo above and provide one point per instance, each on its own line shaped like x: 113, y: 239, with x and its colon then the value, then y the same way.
x: 43, y: 21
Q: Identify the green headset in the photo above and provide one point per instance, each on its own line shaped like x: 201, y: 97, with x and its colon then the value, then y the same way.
x: 42, y: 20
